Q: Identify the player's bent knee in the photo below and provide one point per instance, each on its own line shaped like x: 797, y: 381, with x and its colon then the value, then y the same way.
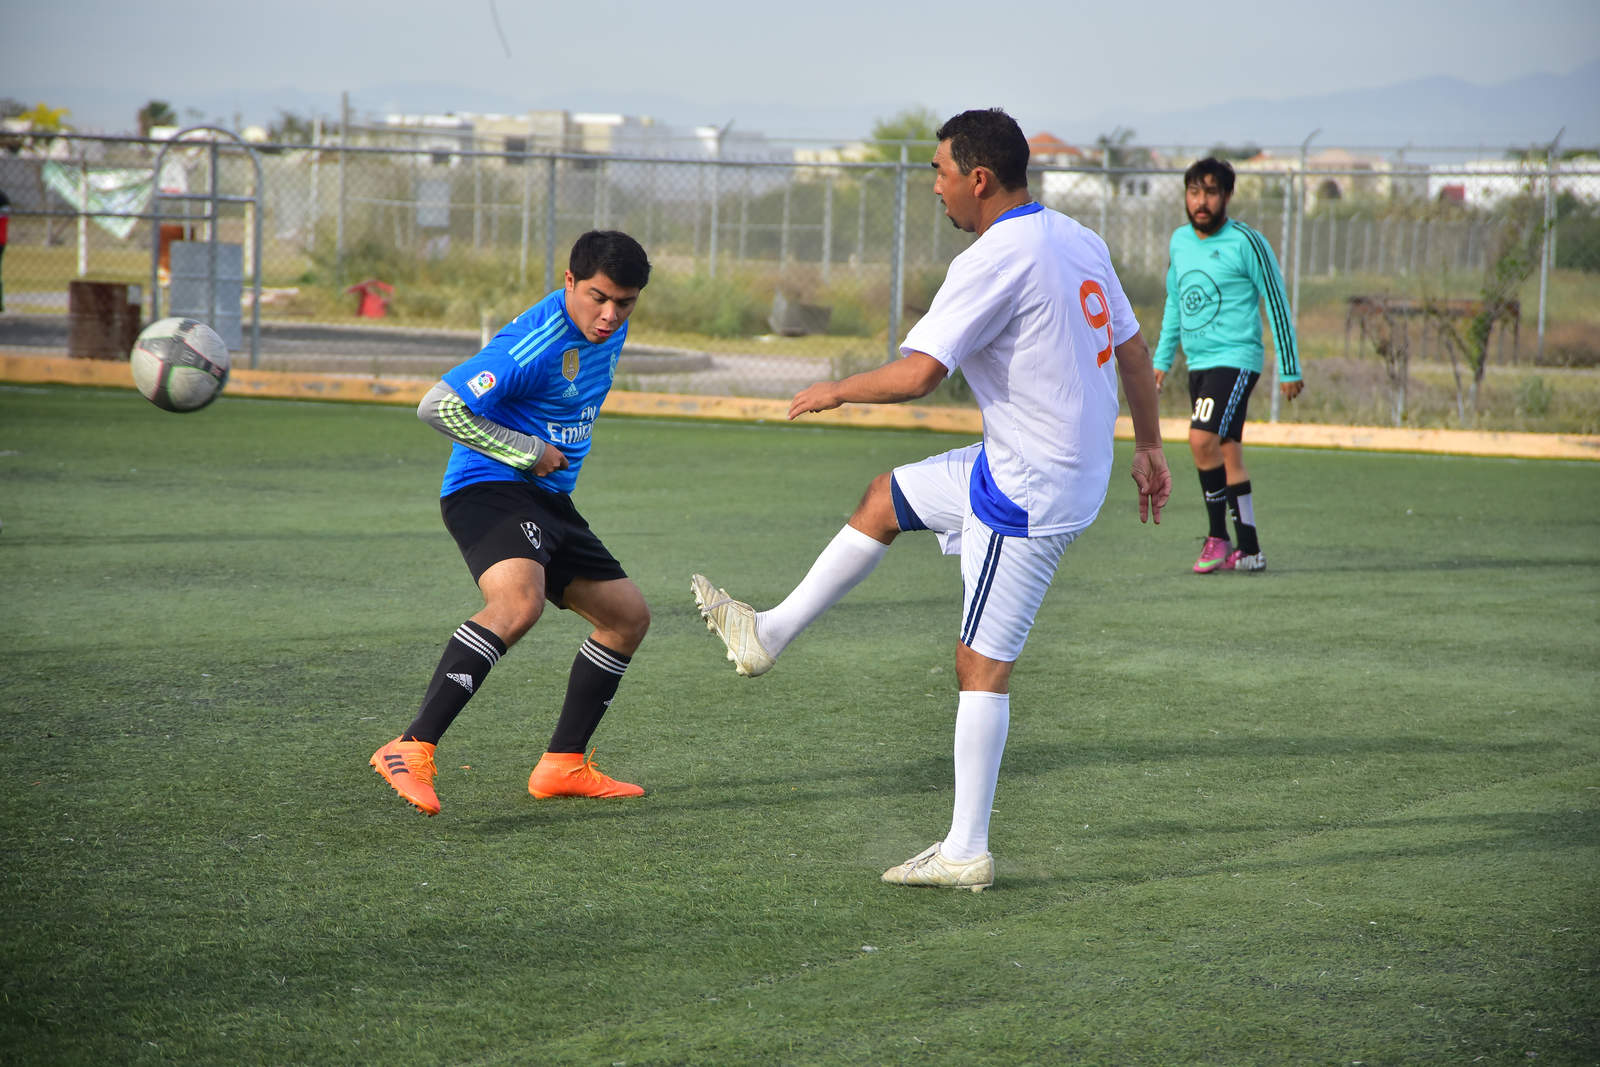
x: 978, y: 672
x: 512, y: 617
x: 635, y: 624
x: 1206, y: 448
x: 617, y: 609
x: 874, y: 516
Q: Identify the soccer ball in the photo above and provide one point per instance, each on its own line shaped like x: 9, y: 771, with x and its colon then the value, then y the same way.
x: 179, y: 364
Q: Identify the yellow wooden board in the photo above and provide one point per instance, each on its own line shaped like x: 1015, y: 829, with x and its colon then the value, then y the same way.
x: 20, y: 367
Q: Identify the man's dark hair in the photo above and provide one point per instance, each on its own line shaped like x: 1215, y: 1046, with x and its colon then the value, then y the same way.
x: 612, y: 252
x: 1219, y: 169
x: 988, y: 137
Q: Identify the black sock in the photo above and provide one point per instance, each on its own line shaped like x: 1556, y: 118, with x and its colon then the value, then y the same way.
x: 596, y: 673
x: 468, y: 655
x: 1244, y: 517
x: 1214, y: 484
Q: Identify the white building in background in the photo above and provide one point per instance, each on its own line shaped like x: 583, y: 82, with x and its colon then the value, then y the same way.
x: 1087, y: 184
x: 599, y: 136
x: 821, y: 164
x: 1062, y: 189
x: 1343, y: 175
x: 578, y: 132
x: 1485, y: 183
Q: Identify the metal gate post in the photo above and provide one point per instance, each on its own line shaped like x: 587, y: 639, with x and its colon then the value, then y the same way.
x: 1545, y: 240
x: 550, y: 226
x: 527, y: 212
x: 213, y: 200
x: 897, y: 266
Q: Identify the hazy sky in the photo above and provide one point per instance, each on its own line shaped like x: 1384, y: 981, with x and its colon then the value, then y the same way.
x: 840, y: 64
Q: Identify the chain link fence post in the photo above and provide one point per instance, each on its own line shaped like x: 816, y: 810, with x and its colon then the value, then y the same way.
x: 344, y: 140
x: 550, y: 224
x: 527, y: 220
x: 897, y: 264
x: 1546, y: 238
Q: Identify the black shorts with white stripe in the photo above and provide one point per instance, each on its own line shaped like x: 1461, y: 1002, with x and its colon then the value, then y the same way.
x: 495, y: 521
x: 1221, y: 398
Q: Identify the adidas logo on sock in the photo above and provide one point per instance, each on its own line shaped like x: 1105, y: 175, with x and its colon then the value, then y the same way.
x: 463, y: 680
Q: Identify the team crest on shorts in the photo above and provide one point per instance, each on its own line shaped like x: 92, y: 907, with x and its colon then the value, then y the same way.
x: 569, y: 364
x: 481, y: 383
x: 534, y: 535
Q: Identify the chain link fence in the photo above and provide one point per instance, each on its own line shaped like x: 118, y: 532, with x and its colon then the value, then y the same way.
x: 770, y: 273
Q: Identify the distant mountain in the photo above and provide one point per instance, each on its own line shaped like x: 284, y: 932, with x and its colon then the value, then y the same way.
x: 1427, y: 112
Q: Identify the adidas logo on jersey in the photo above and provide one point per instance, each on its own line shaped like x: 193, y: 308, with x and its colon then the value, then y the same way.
x: 572, y: 390
x: 463, y: 680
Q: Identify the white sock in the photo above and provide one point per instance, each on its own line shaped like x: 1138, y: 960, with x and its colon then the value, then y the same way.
x: 982, y: 720
x: 849, y: 558
x: 1247, y: 509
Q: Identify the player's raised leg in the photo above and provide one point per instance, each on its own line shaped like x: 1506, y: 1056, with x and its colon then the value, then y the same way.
x: 754, y: 639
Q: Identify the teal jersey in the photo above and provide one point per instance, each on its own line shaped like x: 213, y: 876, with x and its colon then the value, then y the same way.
x: 1215, y: 286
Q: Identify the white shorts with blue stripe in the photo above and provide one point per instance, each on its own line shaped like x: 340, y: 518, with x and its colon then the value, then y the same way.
x: 1003, y: 578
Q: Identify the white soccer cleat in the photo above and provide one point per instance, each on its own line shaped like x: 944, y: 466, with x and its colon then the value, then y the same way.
x: 734, y: 622
x: 930, y: 867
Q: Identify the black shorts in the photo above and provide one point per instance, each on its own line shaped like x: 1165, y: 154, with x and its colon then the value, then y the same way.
x: 494, y: 521
x: 1221, y: 396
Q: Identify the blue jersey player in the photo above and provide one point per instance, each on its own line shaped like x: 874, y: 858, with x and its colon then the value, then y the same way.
x: 1220, y: 274
x: 520, y: 414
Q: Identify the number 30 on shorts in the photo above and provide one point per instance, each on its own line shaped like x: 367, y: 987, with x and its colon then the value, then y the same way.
x: 1203, y: 407
x: 1098, y: 319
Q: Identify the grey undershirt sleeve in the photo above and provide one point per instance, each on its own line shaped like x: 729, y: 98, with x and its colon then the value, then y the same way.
x: 448, y: 413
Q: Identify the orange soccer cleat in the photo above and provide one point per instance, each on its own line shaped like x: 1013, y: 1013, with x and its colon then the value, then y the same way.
x: 408, y: 767
x: 572, y: 774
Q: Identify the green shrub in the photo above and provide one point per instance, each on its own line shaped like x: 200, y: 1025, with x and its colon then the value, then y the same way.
x: 1144, y: 290
x: 716, y: 307
x: 1534, y: 396
x: 452, y: 290
x: 852, y: 316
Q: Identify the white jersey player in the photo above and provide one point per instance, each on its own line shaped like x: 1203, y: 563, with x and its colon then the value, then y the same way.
x: 1034, y: 316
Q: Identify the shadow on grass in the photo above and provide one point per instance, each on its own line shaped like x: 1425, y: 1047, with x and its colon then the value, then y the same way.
x: 805, y: 785
x: 186, y: 537
x: 1393, y: 565
x: 1499, y: 835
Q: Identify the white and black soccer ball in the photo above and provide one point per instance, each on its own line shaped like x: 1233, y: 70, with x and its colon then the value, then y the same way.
x: 179, y: 364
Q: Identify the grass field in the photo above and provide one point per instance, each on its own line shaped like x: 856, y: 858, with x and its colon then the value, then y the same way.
x: 1341, y: 812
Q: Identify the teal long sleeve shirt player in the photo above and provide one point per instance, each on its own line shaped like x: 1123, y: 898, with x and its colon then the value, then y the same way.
x: 1215, y: 286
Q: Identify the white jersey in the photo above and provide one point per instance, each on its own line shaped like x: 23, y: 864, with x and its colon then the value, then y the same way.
x: 1030, y: 313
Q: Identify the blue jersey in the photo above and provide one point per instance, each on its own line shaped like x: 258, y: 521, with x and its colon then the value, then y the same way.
x: 539, y: 376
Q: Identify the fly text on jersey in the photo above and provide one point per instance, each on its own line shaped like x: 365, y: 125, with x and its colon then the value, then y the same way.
x: 571, y: 435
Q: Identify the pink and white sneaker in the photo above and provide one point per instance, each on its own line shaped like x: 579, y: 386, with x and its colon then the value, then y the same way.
x: 1215, y: 556
x: 1238, y: 561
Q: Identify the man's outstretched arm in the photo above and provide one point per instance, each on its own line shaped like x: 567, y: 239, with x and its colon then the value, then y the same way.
x: 913, y: 375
